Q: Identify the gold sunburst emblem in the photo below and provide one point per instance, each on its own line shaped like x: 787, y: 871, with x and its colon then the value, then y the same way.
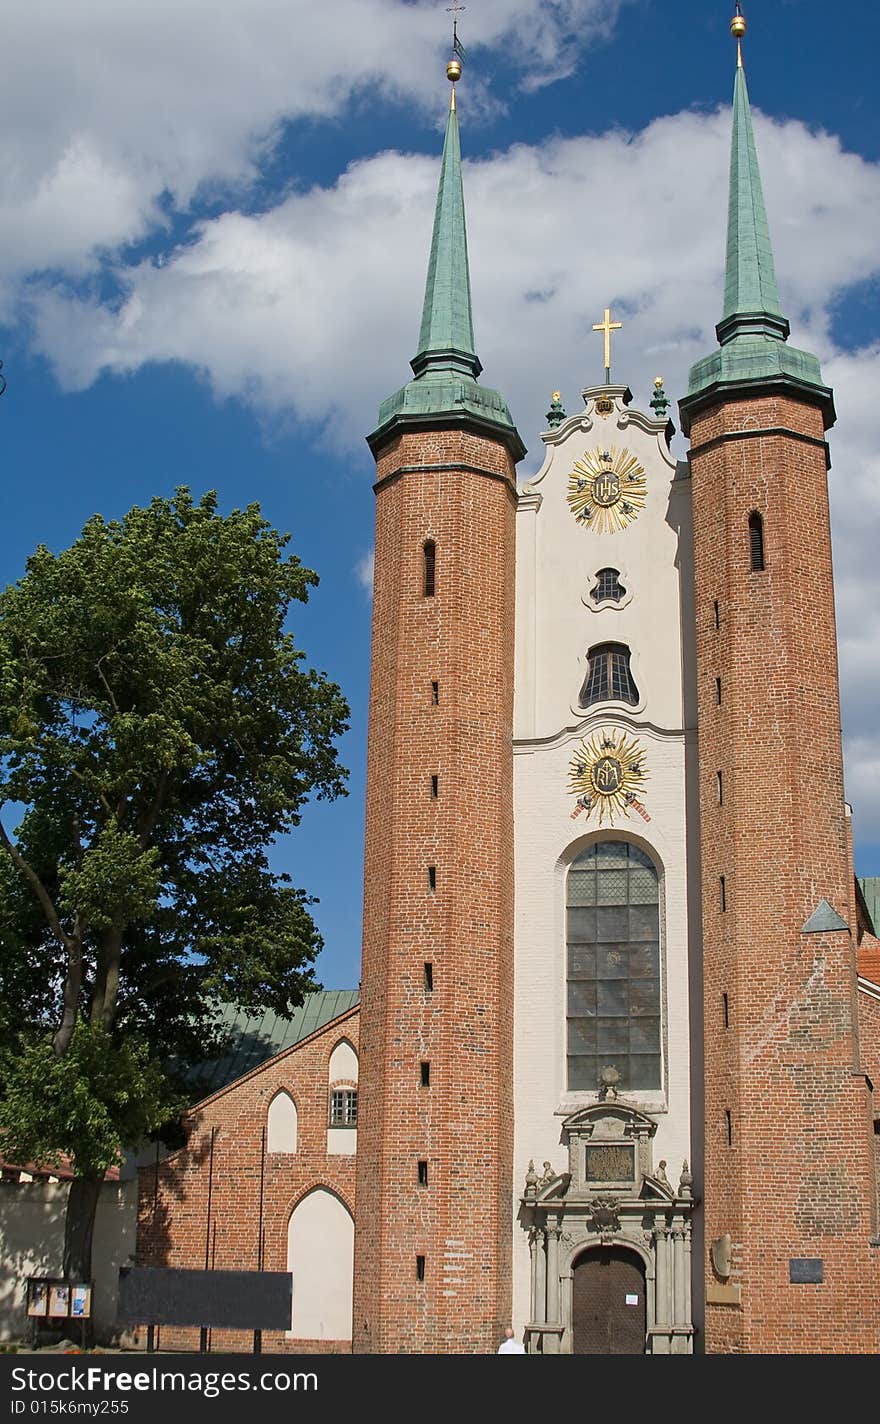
x: 605, y: 773
x: 606, y: 489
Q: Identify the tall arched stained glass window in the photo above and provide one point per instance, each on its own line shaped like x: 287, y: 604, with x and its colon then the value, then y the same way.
x: 613, y: 953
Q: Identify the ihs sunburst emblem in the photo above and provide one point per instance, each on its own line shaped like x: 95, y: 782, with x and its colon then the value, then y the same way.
x: 605, y: 773
x: 606, y: 489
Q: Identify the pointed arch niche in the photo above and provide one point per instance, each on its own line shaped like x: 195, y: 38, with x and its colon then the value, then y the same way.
x: 320, y: 1253
x: 281, y: 1123
x: 342, y: 1100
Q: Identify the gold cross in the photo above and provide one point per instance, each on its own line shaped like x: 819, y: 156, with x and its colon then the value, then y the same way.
x: 608, y: 326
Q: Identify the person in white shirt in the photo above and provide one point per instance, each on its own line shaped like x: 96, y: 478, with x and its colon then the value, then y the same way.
x: 510, y: 1345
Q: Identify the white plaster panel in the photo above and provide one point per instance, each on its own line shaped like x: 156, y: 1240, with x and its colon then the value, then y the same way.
x: 320, y: 1253
x: 281, y: 1124
x: 556, y: 563
x: 342, y: 1141
x: 343, y: 1063
x: 557, y: 559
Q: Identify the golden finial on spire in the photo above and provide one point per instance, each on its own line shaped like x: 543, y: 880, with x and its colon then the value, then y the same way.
x: 738, y: 29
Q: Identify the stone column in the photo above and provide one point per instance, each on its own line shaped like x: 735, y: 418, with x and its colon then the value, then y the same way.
x: 534, y: 1250
x: 688, y: 1304
x: 678, y: 1273
x: 552, y: 1275
x: 661, y: 1289
x: 539, y: 1260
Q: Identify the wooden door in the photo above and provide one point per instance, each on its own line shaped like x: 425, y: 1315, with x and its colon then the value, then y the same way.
x: 609, y: 1308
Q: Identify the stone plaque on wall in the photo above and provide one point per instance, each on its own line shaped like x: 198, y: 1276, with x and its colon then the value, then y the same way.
x: 611, y: 1162
x: 805, y: 1270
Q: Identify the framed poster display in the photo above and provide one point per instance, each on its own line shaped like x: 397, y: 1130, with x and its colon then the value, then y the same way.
x: 81, y: 1301
x: 38, y: 1298
x: 59, y: 1298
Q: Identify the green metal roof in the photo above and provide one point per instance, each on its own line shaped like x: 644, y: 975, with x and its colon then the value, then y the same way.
x: 750, y: 281
x: 447, y: 322
x: 753, y: 331
x: 870, y: 888
x: 445, y: 389
x: 255, y: 1038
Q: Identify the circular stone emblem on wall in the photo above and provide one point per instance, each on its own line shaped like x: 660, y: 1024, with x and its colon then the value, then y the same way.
x: 606, y: 489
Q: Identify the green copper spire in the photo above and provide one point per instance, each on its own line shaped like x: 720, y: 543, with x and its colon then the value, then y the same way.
x: 752, y: 332
x: 750, y: 284
x: 447, y: 332
x: 445, y: 389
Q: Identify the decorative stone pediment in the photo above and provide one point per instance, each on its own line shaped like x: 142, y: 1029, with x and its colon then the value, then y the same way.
x: 609, y: 1120
x: 609, y: 1148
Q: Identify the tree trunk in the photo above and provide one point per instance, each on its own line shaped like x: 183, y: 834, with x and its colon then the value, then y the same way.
x: 79, y: 1226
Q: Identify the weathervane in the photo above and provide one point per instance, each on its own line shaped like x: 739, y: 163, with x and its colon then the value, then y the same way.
x: 453, y: 68
x: 607, y: 326
x: 455, y: 10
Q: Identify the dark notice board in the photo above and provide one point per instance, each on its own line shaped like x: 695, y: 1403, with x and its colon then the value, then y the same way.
x: 233, y: 1300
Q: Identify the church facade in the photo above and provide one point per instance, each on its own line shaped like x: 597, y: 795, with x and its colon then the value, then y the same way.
x: 619, y: 1024
x: 611, y: 1079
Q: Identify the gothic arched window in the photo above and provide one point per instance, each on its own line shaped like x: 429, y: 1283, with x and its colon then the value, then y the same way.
x: 613, y: 967
x: 609, y: 678
x: 607, y: 586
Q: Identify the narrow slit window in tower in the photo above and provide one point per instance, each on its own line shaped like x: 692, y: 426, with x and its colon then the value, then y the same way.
x: 718, y: 690
x: 756, y: 541
x: 420, y: 1268
x: 432, y: 877
x: 435, y: 787
x: 435, y: 694
x: 722, y: 891
x: 423, y: 1174
x: 609, y: 678
x: 720, y: 782
x: 725, y: 1004
x: 429, y: 550
x: 425, y: 1074
x: 728, y: 1124
x: 717, y: 619
x: 429, y: 977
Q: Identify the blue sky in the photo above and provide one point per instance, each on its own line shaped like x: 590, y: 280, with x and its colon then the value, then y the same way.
x: 214, y: 229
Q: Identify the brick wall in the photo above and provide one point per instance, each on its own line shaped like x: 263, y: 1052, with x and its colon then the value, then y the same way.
x: 461, y: 1125
x: 796, y: 1177
x: 175, y: 1227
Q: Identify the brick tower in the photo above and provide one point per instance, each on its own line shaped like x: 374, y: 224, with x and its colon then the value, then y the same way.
x: 789, y: 1195
x: 434, y: 1170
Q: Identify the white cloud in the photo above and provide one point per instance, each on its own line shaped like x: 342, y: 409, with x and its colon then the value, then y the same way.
x: 364, y: 570
x: 113, y: 114
x: 313, y: 306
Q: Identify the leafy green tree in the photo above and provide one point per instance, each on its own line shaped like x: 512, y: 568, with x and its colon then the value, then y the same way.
x: 158, y: 731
